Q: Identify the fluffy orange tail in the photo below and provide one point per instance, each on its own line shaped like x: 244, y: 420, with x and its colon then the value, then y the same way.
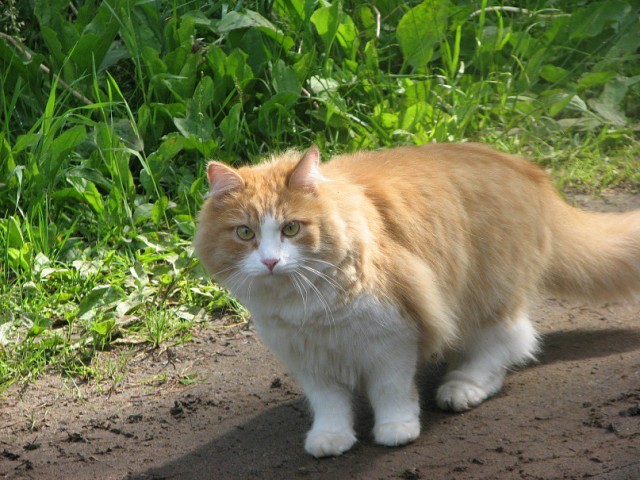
x: 594, y: 255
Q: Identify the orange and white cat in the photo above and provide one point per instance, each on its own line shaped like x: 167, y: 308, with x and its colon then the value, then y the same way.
x: 357, y: 270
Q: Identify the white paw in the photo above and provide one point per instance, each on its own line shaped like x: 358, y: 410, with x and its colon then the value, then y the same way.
x: 328, y: 444
x: 394, y: 434
x: 459, y: 395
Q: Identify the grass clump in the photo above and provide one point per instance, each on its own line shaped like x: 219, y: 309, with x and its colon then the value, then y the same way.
x: 110, y: 110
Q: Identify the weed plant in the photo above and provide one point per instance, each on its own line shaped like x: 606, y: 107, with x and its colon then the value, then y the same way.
x: 109, y: 111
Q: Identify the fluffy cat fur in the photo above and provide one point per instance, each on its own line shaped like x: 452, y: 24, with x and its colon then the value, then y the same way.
x: 358, y: 269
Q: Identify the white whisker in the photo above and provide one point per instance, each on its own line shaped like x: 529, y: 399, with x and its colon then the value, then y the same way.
x: 224, y: 270
x: 324, y: 277
x: 321, y: 297
x: 303, y: 294
x: 332, y: 265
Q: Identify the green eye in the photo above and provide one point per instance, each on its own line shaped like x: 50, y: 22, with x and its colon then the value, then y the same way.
x: 291, y: 229
x: 245, y: 233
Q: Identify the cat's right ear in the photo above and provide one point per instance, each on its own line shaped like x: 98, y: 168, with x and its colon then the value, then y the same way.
x: 222, y: 179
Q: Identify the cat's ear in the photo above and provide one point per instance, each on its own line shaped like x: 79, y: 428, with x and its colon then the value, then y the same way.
x: 223, y: 179
x: 307, y: 174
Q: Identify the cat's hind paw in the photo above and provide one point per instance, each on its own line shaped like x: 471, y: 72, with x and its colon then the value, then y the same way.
x: 394, y: 434
x: 460, y: 395
x: 320, y: 443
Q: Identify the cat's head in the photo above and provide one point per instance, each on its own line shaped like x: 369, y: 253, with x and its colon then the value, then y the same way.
x: 268, y: 221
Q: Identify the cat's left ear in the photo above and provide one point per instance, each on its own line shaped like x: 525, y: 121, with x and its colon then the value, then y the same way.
x: 307, y: 173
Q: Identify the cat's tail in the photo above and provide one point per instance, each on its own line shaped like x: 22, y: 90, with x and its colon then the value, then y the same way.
x: 594, y: 255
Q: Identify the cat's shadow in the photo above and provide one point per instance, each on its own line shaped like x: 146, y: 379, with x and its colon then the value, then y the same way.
x: 270, y: 443
x: 580, y: 344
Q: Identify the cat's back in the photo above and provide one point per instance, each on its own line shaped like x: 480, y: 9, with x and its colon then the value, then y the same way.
x: 432, y: 163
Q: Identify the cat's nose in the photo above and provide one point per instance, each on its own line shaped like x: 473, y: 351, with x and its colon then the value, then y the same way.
x: 270, y: 263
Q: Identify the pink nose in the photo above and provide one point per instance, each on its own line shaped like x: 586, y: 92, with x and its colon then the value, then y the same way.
x: 270, y: 263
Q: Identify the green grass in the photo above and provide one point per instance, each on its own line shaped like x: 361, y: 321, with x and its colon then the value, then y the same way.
x: 101, y: 169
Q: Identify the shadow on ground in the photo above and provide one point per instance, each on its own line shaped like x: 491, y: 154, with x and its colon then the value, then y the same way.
x: 582, y: 344
x: 269, y: 443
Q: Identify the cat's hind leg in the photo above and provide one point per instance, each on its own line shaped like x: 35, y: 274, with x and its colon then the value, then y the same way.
x: 478, y: 370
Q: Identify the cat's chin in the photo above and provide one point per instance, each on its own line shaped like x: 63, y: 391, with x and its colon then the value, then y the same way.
x: 270, y: 277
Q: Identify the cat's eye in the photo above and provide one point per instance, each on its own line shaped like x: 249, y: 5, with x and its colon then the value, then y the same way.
x: 245, y: 233
x: 291, y: 229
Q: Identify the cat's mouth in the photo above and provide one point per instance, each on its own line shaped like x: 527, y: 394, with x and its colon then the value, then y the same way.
x: 265, y: 273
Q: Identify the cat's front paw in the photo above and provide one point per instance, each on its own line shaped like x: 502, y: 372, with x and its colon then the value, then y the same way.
x: 328, y: 444
x: 459, y: 395
x: 394, y: 434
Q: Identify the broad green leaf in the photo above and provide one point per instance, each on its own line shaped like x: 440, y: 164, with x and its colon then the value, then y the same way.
x: 237, y: 67
x: 347, y: 35
x: 595, y: 79
x: 40, y: 325
x: 186, y: 31
x: 371, y: 56
x: 99, y: 298
x: 97, y: 37
x: 116, y: 159
x: 50, y: 12
x: 417, y: 91
x: 194, y: 127
x: 67, y: 141
x: 368, y: 19
x: 50, y: 37
x: 626, y: 45
x: 142, y: 213
x: 205, y: 93
x: 292, y: 7
x: 420, y: 29
x: 19, y: 258
x: 415, y: 114
x: 284, y: 40
x: 327, y: 20
x: 7, y: 163
x: 104, y: 327
x: 592, y: 21
x: 88, y: 193
x: 257, y: 49
x: 176, y: 60
x: 185, y: 224
x: 275, y: 114
x: 116, y: 53
x: 26, y: 141
x: 62, y: 146
x: 159, y: 209
x: 91, y: 174
x: 388, y: 120
x: 558, y: 101
x: 608, y: 104
x: 553, y: 74
x: 230, y: 126
x: 14, y: 233
x: 304, y: 65
x: 284, y: 78
x: 153, y: 62
x: 236, y: 20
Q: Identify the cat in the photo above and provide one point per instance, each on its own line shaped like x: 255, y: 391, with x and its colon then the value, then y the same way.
x: 357, y: 270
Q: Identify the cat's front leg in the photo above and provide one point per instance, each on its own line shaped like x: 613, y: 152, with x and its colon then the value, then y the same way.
x: 332, y: 431
x: 395, y: 401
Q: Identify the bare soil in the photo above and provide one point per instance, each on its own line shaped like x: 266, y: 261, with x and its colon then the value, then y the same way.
x: 574, y: 414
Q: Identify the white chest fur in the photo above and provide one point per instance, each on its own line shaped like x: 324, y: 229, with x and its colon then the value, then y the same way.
x: 337, y: 343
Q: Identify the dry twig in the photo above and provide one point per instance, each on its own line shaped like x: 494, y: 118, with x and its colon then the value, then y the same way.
x: 45, y: 69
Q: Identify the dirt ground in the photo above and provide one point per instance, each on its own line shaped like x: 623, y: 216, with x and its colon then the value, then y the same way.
x: 574, y: 414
